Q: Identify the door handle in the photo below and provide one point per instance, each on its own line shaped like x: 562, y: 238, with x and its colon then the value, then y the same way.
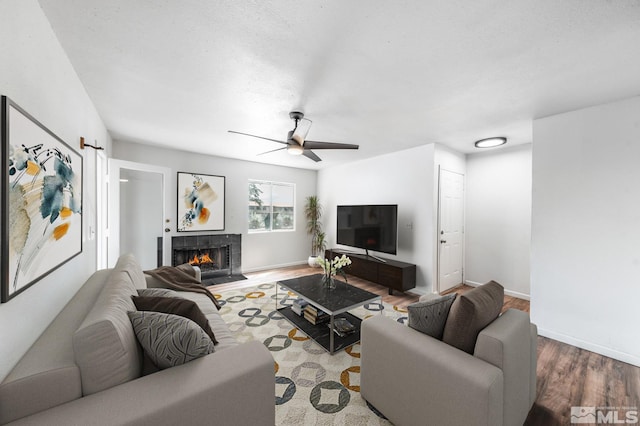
x: 443, y: 241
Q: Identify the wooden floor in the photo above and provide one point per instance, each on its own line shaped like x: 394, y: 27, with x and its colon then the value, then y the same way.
x: 566, y: 376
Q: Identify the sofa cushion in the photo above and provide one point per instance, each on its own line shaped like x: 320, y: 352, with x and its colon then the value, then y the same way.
x: 47, y: 372
x: 170, y: 340
x: 176, y: 306
x: 104, y: 346
x: 429, y: 315
x: 470, y: 313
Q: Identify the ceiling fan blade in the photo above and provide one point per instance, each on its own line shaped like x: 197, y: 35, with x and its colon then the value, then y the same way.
x: 312, y: 155
x: 328, y: 145
x: 273, y: 150
x: 256, y: 136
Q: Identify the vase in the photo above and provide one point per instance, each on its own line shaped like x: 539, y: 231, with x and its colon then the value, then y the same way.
x: 328, y: 282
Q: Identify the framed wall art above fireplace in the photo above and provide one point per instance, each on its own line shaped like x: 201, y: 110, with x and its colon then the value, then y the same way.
x: 200, y: 202
x: 41, y: 201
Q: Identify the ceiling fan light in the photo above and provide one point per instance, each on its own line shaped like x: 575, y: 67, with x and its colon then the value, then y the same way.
x: 296, y: 137
x: 295, y: 149
x: 490, y: 142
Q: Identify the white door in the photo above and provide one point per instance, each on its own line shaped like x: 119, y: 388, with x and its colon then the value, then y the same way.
x: 138, y: 218
x: 450, y: 230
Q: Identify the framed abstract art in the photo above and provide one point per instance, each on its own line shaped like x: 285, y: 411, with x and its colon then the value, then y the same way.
x: 41, y: 201
x: 200, y: 202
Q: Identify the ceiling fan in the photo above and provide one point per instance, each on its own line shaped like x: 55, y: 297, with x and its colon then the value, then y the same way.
x: 296, y: 143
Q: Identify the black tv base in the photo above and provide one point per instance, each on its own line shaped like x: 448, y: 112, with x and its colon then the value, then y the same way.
x: 393, y: 274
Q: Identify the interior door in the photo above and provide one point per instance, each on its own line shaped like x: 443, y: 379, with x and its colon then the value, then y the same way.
x: 450, y: 230
x: 138, y: 218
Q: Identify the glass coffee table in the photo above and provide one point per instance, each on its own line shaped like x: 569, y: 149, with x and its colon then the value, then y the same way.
x: 336, y: 302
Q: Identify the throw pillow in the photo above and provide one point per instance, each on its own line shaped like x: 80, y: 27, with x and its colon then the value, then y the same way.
x: 470, y: 313
x: 430, y: 316
x: 176, y: 306
x: 170, y: 340
x: 159, y: 292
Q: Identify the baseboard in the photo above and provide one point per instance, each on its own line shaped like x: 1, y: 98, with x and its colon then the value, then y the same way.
x: 282, y: 265
x: 511, y: 293
x: 592, y: 347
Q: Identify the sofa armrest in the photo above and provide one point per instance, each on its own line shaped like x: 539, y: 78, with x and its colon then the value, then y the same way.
x: 506, y: 343
x: 414, y: 379
x: 534, y: 364
x: 192, y: 270
x: 232, y: 386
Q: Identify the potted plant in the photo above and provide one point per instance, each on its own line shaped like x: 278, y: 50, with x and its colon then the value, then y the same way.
x: 313, y: 213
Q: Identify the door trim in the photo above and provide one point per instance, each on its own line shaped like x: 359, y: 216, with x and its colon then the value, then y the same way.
x: 113, y: 219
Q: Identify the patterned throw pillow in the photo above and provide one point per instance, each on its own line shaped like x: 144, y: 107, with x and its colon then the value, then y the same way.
x: 430, y: 316
x: 170, y: 340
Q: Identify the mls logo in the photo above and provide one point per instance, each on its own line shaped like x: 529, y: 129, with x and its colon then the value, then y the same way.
x: 583, y: 415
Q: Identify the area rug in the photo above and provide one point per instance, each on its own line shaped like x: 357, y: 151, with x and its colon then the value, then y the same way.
x: 312, y: 387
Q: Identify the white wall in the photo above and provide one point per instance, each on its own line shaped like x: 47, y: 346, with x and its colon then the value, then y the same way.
x: 37, y: 75
x: 141, y: 203
x: 585, y: 251
x: 405, y: 178
x: 498, y: 219
x: 259, y: 250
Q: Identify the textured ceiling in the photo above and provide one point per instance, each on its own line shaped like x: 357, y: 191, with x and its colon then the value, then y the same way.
x: 385, y: 75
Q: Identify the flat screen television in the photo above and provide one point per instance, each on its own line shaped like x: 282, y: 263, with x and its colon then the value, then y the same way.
x: 369, y: 227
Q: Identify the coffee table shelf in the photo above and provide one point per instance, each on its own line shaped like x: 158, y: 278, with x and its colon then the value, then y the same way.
x: 320, y: 333
x: 336, y: 302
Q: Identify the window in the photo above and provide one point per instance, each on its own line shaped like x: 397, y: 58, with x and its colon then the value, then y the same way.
x: 271, y: 206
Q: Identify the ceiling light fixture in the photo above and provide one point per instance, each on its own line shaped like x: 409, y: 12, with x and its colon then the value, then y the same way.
x: 295, y: 149
x: 490, y: 142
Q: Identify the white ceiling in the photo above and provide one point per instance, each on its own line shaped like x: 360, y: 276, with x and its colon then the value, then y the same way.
x: 385, y: 75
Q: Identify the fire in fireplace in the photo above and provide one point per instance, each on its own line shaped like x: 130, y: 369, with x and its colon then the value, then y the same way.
x: 212, y: 261
x: 203, y: 259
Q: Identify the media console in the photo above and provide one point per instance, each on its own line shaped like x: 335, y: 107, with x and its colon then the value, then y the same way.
x: 393, y: 274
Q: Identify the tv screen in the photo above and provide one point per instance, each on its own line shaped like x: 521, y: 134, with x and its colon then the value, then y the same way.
x: 370, y: 227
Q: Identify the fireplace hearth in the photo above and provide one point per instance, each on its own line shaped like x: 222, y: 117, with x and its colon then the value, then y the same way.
x: 216, y: 255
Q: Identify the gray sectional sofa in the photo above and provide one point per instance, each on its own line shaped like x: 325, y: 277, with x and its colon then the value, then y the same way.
x: 86, y: 368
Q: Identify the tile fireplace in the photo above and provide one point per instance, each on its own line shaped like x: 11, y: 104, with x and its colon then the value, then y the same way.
x: 216, y: 255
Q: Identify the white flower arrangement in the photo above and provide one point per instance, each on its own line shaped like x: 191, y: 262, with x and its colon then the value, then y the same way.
x: 333, y: 267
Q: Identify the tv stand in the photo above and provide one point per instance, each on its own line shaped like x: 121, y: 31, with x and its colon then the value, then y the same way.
x: 393, y: 274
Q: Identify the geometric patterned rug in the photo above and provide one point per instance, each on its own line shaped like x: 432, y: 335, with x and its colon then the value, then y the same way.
x: 312, y: 387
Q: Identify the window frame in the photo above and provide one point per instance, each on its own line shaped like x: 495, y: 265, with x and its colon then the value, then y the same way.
x: 271, y: 183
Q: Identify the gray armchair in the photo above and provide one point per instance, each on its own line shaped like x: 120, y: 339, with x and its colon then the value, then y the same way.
x: 415, y: 379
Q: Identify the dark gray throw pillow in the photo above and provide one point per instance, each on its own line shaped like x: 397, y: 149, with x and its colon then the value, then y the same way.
x: 170, y: 340
x: 176, y: 306
x: 430, y: 316
x: 470, y: 313
x: 158, y: 292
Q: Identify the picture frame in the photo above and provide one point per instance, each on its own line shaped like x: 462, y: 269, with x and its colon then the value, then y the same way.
x: 41, y: 201
x: 200, y: 202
